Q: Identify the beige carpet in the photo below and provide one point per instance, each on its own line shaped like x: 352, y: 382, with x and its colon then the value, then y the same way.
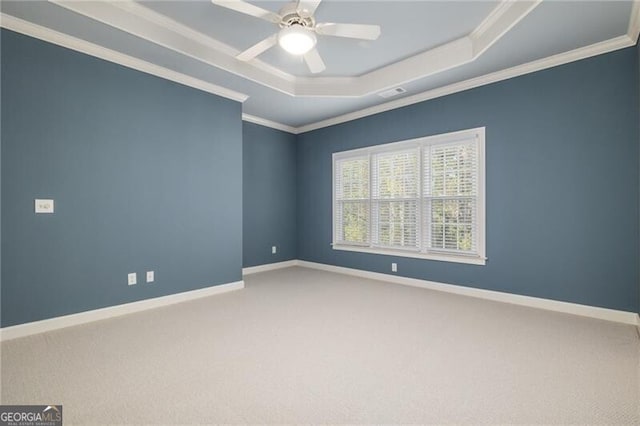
x: 305, y: 346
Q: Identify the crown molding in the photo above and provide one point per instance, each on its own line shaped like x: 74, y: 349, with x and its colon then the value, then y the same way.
x: 500, y: 21
x: 634, y: 22
x: 149, y: 25
x: 530, y: 67
x: 46, y: 34
x: 268, y: 123
x: 142, y: 22
x: 552, y: 61
x: 431, y: 62
x: 164, y: 21
x: 450, y: 55
x: 490, y: 20
x: 324, y: 86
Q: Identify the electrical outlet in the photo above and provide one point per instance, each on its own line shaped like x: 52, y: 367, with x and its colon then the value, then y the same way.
x: 150, y: 276
x: 133, y: 278
x: 274, y: 249
x: 394, y: 267
x: 44, y: 206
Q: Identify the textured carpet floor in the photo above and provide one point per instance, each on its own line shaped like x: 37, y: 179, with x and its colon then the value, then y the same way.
x: 305, y: 346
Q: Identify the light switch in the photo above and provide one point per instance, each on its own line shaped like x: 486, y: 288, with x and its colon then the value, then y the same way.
x: 150, y: 276
x: 44, y: 206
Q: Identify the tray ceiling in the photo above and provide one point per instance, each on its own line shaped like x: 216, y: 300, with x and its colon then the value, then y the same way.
x: 429, y: 48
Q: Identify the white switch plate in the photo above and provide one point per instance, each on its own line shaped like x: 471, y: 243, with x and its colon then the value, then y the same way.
x: 150, y: 276
x: 394, y: 267
x: 274, y: 249
x: 133, y: 279
x: 44, y: 206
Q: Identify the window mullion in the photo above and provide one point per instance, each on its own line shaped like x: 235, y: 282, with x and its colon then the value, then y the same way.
x: 419, y: 201
x: 370, y: 199
x: 426, y: 203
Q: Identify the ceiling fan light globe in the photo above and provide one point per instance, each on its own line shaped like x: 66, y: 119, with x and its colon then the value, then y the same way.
x: 296, y: 40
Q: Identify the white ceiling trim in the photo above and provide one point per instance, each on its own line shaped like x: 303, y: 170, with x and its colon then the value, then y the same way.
x: 459, y: 52
x: 433, y: 61
x: 166, y: 22
x: 490, y: 20
x: 268, y: 123
x: 634, y: 22
x: 46, y: 34
x: 541, y: 64
x: 70, y: 42
x: 504, y: 17
x: 149, y: 25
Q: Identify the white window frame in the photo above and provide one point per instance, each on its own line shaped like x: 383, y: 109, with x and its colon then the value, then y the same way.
x: 477, y: 258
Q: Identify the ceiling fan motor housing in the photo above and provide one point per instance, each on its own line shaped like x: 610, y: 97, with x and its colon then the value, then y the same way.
x: 292, y: 16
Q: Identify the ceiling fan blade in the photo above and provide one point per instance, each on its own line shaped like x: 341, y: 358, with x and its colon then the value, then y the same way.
x: 365, y: 32
x: 314, y: 61
x: 258, y: 48
x: 307, y: 7
x: 248, y: 9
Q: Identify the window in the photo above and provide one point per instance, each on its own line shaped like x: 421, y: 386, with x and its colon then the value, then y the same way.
x: 418, y: 198
x: 352, y: 201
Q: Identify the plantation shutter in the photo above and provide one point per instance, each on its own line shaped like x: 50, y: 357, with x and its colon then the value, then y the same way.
x: 395, y: 193
x: 352, y: 207
x: 420, y: 198
x: 450, y: 189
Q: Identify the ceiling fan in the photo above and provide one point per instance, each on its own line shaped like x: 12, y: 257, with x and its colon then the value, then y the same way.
x: 298, y: 29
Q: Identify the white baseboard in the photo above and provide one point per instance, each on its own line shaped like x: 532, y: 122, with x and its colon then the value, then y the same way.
x: 36, y: 327
x: 269, y: 267
x: 534, y: 302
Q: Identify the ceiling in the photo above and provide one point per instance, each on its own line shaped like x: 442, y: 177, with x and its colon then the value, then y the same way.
x: 429, y: 48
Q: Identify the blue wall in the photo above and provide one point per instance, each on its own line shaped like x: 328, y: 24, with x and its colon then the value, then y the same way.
x: 146, y: 175
x: 269, y: 195
x: 562, y: 182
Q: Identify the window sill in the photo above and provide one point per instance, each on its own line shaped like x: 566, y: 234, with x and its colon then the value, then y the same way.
x: 472, y: 260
